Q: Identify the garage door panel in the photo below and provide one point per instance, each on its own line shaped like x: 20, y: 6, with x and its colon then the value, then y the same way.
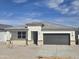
x: 57, y: 39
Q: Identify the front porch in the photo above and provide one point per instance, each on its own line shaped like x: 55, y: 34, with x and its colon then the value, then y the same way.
x: 23, y: 42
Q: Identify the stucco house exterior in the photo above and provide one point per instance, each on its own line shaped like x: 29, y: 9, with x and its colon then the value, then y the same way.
x: 3, y: 33
x: 42, y: 33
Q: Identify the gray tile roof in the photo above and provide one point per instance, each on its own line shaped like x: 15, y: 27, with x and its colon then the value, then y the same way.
x: 34, y: 24
x: 45, y: 26
x: 50, y: 26
x: 17, y: 27
x: 54, y: 26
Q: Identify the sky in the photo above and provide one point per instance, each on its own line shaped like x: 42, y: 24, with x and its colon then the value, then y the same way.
x: 17, y: 12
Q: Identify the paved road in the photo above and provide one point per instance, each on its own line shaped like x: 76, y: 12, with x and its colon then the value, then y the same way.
x: 31, y: 52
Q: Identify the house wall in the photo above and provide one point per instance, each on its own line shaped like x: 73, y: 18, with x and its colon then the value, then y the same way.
x: 3, y: 36
x: 15, y: 34
x: 14, y: 38
x: 40, y: 35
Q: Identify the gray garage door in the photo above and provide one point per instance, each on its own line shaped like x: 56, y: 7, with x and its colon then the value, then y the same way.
x: 57, y: 39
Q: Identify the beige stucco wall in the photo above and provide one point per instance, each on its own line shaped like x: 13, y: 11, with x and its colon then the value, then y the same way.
x: 15, y: 34
x: 18, y: 42
x: 34, y: 28
x: 14, y: 38
x: 40, y: 35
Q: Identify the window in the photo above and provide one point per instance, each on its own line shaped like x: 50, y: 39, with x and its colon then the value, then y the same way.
x: 21, y: 35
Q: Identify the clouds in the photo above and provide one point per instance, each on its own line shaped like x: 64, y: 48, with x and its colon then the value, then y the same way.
x: 53, y: 3
x: 5, y: 21
x: 70, y: 21
x: 18, y: 22
x: 76, y: 3
x: 22, y: 11
x: 56, y: 4
x: 70, y: 7
x: 27, y: 20
x: 75, y: 7
x: 19, y: 1
x: 33, y: 14
x: 67, y: 7
x: 6, y: 14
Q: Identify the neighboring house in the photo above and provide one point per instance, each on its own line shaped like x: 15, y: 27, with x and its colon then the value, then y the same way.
x: 43, y: 33
x: 3, y: 32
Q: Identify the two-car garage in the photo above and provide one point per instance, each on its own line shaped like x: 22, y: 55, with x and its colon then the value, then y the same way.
x: 56, y: 39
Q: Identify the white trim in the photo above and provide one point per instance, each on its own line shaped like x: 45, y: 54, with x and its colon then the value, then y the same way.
x: 78, y: 36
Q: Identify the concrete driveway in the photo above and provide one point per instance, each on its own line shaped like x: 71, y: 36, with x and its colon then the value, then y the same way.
x: 31, y: 52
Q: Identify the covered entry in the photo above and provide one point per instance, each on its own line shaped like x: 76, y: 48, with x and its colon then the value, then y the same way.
x: 34, y: 37
x: 56, y: 39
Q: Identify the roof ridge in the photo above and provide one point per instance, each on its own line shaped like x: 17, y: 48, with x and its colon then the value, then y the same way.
x: 58, y: 24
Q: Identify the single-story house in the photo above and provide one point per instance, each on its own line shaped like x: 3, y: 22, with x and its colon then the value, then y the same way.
x: 43, y: 33
x: 3, y: 32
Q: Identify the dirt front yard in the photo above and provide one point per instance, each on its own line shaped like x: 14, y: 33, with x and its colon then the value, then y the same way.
x: 44, y: 52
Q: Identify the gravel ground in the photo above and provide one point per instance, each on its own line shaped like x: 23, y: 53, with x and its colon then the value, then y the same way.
x: 32, y: 52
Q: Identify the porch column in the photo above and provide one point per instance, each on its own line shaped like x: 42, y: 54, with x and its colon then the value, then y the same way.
x: 40, y: 38
x: 30, y: 41
x: 72, y: 38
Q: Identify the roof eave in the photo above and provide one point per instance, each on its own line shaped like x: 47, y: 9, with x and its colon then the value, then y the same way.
x: 58, y: 29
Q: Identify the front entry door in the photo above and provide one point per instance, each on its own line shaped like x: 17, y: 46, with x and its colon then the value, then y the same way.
x: 35, y: 37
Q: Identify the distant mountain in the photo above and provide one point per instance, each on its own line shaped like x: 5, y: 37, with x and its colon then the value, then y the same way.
x: 3, y: 26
